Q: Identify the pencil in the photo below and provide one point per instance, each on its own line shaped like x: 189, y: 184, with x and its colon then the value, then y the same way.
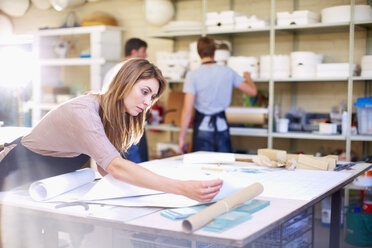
x: 212, y: 169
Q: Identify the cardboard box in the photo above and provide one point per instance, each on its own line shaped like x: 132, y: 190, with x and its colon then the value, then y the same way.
x: 174, y: 107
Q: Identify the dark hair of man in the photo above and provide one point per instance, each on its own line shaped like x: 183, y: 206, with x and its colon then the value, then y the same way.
x: 206, y: 47
x: 134, y: 43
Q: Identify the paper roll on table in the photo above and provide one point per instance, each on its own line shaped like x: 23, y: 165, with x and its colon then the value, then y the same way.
x: 212, y: 158
x: 240, y: 115
x: 206, y: 215
x: 208, y: 158
x: 50, y: 187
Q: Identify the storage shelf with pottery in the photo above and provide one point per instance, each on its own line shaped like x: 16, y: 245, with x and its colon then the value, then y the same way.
x: 238, y: 131
x: 291, y: 34
x: 96, y: 48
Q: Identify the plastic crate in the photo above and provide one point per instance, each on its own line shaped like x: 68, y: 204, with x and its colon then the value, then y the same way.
x: 364, y: 114
x: 296, y: 232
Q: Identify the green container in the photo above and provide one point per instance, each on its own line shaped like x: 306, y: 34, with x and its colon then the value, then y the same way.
x: 358, y: 228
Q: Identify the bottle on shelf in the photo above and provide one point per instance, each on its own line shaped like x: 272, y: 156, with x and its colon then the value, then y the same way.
x: 367, y: 200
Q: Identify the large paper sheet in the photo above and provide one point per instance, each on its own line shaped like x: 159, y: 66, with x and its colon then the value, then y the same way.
x: 208, y: 158
x: 111, y: 188
x: 50, y: 187
x: 230, y: 186
x: 278, y: 183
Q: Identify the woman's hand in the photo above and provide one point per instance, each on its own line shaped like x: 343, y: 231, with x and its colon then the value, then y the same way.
x: 127, y: 171
x: 201, y: 191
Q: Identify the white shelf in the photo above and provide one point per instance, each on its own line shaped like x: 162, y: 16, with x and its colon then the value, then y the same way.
x: 266, y: 80
x: 104, y: 44
x: 316, y: 79
x: 239, y: 31
x: 247, y: 131
x: 360, y: 78
x: 77, y: 30
x: 314, y: 136
x: 171, y: 35
x: 316, y: 27
x: 239, y: 131
x: 72, y: 61
x: 361, y: 137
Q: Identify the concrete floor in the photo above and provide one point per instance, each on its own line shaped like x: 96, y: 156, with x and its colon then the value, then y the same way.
x: 321, y: 236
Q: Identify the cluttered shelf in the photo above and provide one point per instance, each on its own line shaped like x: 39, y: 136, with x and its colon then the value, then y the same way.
x: 307, y: 135
x: 262, y: 132
x: 315, y: 27
x: 238, y: 131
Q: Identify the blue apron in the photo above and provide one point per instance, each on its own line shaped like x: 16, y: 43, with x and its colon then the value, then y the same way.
x: 210, y: 141
x: 21, y: 166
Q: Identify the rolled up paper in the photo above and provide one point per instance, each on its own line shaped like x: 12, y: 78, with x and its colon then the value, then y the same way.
x: 50, y: 187
x: 206, y: 215
x: 241, y: 115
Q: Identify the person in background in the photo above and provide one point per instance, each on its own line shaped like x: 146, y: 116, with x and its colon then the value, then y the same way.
x: 134, y: 48
x: 209, y: 89
x: 99, y: 126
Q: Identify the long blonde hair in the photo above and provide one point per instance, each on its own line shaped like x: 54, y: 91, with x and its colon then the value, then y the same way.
x: 121, y: 128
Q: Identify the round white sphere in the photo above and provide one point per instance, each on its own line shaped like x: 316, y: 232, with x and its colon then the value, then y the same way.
x: 159, y: 12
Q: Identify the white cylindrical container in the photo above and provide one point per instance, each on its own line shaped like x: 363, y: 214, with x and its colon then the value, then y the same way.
x: 282, y: 125
x: 342, y: 13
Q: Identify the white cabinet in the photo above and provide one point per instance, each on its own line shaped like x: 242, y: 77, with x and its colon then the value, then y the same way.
x: 91, y: 50
x: 341, y: 42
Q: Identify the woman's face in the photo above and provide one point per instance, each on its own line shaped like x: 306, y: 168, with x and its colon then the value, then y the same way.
x: 141, y: 95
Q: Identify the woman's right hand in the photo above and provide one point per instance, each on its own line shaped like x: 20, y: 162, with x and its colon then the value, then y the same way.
x: 201, y: 191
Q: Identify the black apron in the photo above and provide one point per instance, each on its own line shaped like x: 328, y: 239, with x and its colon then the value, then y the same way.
x: 212, y: 123
x: 21, y: 166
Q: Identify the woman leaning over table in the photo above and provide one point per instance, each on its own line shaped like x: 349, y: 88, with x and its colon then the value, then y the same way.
x: 98, y: 126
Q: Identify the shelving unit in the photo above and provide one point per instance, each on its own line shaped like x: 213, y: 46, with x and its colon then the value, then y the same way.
x: 274, y: 33
x: 237, y: 131
x: 104, y: 44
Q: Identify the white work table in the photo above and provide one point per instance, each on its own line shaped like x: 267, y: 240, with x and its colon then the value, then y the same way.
x: 136, y: 224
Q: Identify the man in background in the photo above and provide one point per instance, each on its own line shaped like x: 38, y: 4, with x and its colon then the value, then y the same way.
x: 208, y: 89
x: 134, y: 48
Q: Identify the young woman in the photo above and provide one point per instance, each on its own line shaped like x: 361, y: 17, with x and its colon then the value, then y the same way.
x: 98, y: 126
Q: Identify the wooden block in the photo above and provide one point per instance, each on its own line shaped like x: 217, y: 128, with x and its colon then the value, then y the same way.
x: 331, y: 162
x: 332, y: 156
x: 313, y: 161
x: 290, y: 157
x: 306, y: 167
x: 273, y: 154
